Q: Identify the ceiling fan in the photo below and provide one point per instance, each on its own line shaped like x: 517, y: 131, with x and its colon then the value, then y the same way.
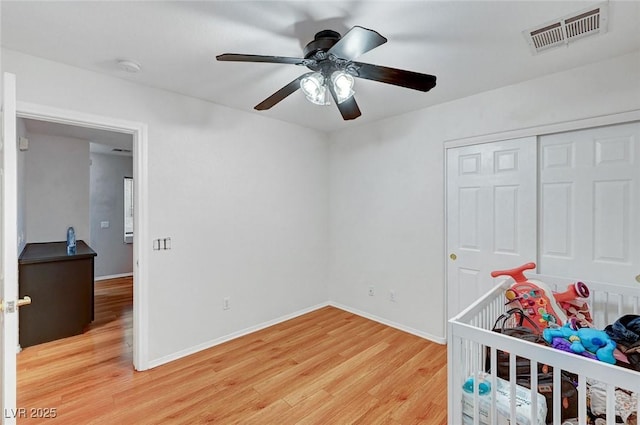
x: 330, y: 58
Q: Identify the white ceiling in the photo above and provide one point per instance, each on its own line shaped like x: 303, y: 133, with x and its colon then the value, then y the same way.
x: 100, y: 141
x: 471, y: 46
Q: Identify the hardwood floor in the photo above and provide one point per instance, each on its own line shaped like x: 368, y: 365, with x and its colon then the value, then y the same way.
x: 326, y: 367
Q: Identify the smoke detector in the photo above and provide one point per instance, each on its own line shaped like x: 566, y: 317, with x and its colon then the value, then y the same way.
x: 129, y: 65
x: 565, y: 30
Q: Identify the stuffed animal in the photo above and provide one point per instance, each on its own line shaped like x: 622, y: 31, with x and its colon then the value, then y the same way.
x: 559, y: 343
x: 584, y: 339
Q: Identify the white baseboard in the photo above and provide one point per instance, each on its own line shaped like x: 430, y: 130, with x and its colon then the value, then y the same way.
x: 234, y: 335
x: 421, y: 334
x: 112, y: 276
x: 183, y: 353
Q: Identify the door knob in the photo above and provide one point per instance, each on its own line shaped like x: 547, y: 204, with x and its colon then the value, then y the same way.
x: 10, y: 306
x: 638, y: 278
x: 24, y: 301
x: 453, y: 256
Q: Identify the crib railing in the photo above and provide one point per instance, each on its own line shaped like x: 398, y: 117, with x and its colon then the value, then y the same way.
x: 471, y: 341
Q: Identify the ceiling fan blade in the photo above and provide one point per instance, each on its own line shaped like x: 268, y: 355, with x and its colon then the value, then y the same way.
x: 280, y: 94
x: 349, y: 108
x: 355, y: 42
x: 398, y: 77
x: 236, y: 57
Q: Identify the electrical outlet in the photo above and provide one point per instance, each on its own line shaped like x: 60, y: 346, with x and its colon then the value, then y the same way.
x: 226, y: 303
x: 372, y: 291
x: 392, y: 296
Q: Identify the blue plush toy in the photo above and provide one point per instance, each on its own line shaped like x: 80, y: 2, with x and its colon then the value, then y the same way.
x: 593, y: 340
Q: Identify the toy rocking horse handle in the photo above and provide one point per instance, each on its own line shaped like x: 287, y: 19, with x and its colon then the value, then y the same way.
x: 574, y: 290
x: 517, y: 274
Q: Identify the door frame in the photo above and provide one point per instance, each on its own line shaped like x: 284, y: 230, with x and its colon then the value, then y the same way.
x: 8, y: 246
x: 538, y: 130
x: 139, y: 131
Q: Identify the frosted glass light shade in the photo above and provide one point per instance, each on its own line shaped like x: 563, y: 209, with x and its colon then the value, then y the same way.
x: 343, y: 85
x: 314, y: 89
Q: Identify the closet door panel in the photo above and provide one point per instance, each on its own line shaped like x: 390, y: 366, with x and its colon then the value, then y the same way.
x: 556, y: 212
x: 491, y: 215
x: 590, y: 204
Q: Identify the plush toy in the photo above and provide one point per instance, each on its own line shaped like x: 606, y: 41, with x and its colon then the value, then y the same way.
x: 560, y: 343
x: 584, y: 339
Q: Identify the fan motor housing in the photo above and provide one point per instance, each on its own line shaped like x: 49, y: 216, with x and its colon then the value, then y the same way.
x: 323, y: 41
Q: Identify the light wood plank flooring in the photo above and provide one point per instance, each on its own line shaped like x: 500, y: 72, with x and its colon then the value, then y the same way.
x: 326, y: 367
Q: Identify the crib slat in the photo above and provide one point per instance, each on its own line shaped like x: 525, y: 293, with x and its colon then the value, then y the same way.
x: 557, y: 395
x: 620, y: 305
x: 476, y: 401
x: 582, y: 400
x: 467, y: 358
x: 611, y: 405
x: 494, y: 368
x: 637, y: 404
x: 476, y: 388
x: 456, y: 380
x: 512, y: 381
x: 534, y: 392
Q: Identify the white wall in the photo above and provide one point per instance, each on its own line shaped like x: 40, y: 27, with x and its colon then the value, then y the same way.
x: 21, y: 131
x: 244, y: 199
x: 386, y: 185
x: 107, y: 204
x: 57, y: 188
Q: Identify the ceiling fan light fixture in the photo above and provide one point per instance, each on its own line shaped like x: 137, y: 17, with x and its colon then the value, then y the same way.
x: 314, y: 88
x: 343, y: 85
x: 327, y: 53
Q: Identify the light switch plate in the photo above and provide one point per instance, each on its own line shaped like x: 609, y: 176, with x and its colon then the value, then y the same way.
x: 104, y: 224
x: 23, y: 144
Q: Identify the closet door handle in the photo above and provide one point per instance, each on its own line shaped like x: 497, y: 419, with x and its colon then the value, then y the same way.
x: 453, y: 256
x: 638, y: 278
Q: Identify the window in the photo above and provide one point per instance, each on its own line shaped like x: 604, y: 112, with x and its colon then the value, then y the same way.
x: 128, y: 210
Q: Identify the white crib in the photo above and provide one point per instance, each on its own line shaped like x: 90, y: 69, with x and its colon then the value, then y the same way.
x: 469, y: 333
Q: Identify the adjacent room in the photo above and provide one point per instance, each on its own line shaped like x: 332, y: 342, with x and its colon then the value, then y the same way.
x: 290, y: 212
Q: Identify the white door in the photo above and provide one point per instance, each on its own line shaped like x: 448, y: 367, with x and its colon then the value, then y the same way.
x: 9, y: 249
x: 491, y: 215
x: 590, y: 204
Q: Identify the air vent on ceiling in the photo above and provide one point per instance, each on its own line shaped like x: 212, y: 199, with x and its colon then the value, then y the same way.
x: 568, y: 29
x: 121, y: 150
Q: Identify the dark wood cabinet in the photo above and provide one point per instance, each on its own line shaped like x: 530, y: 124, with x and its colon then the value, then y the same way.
x: 61, y: 290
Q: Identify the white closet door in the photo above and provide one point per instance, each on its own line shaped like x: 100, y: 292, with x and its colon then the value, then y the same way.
x: 491, y: 215
x: 590, y: 204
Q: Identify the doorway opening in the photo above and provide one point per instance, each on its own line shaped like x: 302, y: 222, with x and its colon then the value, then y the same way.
x: 137, y: 133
